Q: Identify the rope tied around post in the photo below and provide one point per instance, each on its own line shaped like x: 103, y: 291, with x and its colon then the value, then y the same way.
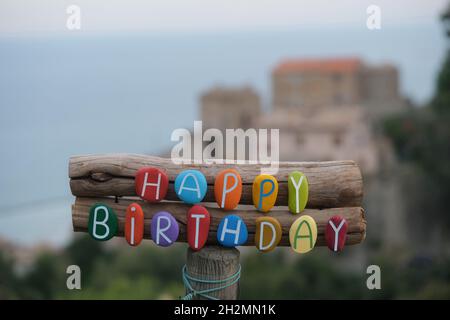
x: 222, y: 284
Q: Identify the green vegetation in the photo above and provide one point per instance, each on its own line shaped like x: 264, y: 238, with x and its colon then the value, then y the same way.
x: 149, y: 272
x: 422, y: 140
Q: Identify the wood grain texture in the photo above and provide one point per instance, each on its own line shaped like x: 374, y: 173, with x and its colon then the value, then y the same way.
x: 332, y: 184
x: 214, y: 263
x: 353, y: 215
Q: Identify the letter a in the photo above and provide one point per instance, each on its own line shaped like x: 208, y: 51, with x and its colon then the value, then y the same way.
x: 302, y: 242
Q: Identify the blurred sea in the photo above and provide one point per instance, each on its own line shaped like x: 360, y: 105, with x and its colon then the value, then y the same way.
x: 66, y: 95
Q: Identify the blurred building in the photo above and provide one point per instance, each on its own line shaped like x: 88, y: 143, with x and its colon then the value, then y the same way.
x: 308, y: 84
x: 223, y: 108
x: 327, y: 134
x: 325, y: 109
x: 305, y: 84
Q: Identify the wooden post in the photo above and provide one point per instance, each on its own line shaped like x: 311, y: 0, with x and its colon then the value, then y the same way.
x: 214, y: 263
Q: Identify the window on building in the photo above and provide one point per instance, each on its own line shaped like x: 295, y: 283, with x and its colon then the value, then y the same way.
x: 337, y: 77
x: 338, y: 99
x: 300, y: 140
x: 337, y: 140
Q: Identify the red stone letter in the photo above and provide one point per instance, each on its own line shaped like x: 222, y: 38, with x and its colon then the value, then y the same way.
x: 198, y: 220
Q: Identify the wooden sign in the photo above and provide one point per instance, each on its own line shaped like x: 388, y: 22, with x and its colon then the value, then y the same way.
x: 339, y: 222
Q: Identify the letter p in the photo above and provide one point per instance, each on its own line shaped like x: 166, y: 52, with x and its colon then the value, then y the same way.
x: 263, y: 194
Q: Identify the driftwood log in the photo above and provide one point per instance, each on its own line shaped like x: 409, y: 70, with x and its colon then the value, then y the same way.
x: 332, y: 184
x: 354, y: 216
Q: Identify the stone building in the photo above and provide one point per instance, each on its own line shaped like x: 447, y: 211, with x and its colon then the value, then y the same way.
x: 314, y: 83
x: 326, y: 109
x: 231, y: 108
x: 327, y: 134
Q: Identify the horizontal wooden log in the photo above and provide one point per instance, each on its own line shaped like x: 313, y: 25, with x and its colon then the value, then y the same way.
x: 353, y: 215
x: 332, y: 184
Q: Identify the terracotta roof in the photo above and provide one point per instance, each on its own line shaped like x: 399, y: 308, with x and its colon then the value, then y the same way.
x: 318, y: 65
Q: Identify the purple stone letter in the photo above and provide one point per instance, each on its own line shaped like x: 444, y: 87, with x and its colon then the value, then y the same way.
x: 164, y: 229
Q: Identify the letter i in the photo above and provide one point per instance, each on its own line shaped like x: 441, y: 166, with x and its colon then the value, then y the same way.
x: 134, y: 224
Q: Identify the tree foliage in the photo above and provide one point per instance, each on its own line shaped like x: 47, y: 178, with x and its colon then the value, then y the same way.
x: 422, y: 138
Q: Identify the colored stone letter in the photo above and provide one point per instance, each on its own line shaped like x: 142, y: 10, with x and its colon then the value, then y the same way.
x: 164, y: 229
x: 232, y: 231
x: 268, y: 233
x: 190, y: 186
x: 265, y: 191
x: 336, y: 233
x: 151, y: 184
x: 228, y: 189
x: 198, y: 220
x: 303, y: 234
x: 298, y: 192
x: 134, y: 224
x: 102, y: 224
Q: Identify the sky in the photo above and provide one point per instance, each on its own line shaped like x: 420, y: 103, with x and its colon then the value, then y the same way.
x: 47, y: 17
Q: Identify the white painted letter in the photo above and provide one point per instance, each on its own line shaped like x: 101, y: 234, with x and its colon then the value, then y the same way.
x: 160, y: 231
x: 261, y: 235
x: 148, y: 184
x: 197, y: 218
x: 197, y: 186
x: 235, y: 232
x: 336, y: 232
x: 225, y: 190
x: 297, y: 188
x: 103, y: 223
